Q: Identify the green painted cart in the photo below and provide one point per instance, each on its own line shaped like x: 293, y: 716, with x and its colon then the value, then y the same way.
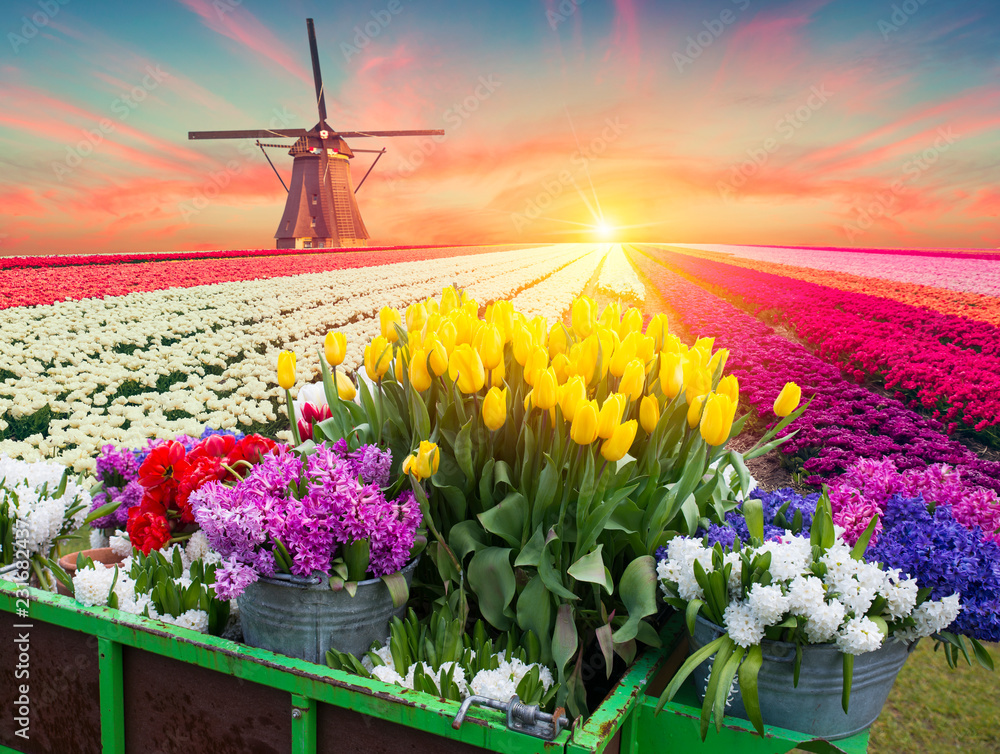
x: 94, y: 680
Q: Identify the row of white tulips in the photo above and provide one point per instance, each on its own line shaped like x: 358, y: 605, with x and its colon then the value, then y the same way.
x: 67, y: 355
x: 619, y: 277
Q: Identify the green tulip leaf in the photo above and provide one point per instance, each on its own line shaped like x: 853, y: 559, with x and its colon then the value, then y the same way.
x: 531, y: 553
x: 492, y: 580
x: 591, y: 568
x: 564, y: 639
x: 534, y: 613
x: 638, y: 591
x: 506, y: 518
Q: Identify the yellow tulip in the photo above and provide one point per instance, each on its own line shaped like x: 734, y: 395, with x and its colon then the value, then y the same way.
x: 502, y: 315
x: 431, y: 325
x: 658, y: 329
x: 491, y: 346
x: 398, y: 368
x: 463, y: 326
x: 539, y: 329
x: 524, y: 343
x: 788, y: 399
x: 633, y: 381
x: 645, y: 350
x: 437, y: 355
x: 545, y: 389
x: 649, y: 413
x: 583, y: 429
x: 631, y: 321
x: 699, y: 383
x: 497, y: 375
x: 466, y: 369
x: 286, y: 369
x: 345, y: 386
x: 562, y: 367
x: 582, y: 316
x: 624, y: 353
x: 583, y: 358
x: 448, y: 335
x: 449, y: 300
x: 615, y: 447
x: 529, y: 400
x: 671, y: 374
x: 335, y: 347
x: 672, y: 344
x: 694, y: 411
x: 424, y: 462
x: 717, y: 418
x: 558, y: 340
x: 730, y: 386
x: 537, y: 360
x: 420, y: 378
x: 416, y: 316
x: 704, y: 344
x: 378, y: 358
x: 611, y: 316
x: 571, y: 396
x: 388, y: 319
x: 495, y: 408
x: 718, y: 361
x: 611, y: 415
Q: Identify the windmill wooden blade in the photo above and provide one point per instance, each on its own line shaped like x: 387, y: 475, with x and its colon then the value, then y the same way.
x: 317, y: 76
x: 285, y: 133
x: 356, y: 134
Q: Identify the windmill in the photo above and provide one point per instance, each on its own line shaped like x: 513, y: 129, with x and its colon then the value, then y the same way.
x: 321, y: 210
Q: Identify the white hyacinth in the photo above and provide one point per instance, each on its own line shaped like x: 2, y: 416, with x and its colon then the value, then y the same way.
x: 805, y: 594
x: 858, y: 636
x: 742, y: 625
x: 501, y: 683
x: 196, y: 620
x: 823, y: 621
x: 767, y: 603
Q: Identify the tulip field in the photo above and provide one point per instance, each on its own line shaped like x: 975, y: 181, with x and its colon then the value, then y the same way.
x: 900, y: 350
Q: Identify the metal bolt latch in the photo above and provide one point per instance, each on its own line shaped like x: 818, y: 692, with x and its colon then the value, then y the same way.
x: 296, y: 713
x: 521, y: 717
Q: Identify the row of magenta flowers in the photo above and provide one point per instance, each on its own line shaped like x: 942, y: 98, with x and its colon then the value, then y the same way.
x: 845, y: 422
x: 946, y: 365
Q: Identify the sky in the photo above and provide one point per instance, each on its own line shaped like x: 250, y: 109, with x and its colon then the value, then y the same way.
x: 817, y: 122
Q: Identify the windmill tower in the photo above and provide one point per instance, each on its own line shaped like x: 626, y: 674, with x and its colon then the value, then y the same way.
x: 321, y: 210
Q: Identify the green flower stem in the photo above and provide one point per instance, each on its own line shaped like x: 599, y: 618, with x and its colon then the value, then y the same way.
x: 291, y: 417
x: 42, y: 581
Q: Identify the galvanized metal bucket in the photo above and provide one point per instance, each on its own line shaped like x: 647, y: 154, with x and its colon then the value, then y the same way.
x: 304, y: 618
x: 814, y: 707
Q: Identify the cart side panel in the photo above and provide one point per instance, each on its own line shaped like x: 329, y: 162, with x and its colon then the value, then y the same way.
x: 340, y: 730
x: 173, y: 706
x: 63, y: 688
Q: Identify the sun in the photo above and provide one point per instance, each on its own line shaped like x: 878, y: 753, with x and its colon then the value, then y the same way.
x: 604, y: 229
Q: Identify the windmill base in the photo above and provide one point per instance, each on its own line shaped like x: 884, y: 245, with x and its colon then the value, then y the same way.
x: 319, y: 243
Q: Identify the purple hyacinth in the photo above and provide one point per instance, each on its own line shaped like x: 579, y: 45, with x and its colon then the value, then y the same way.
x: 371, y: 464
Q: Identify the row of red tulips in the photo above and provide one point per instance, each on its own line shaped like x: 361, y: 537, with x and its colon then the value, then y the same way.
x: 951, y: 253
x: 844, y: 423
x: 32, y: 287
x: 947, y: 365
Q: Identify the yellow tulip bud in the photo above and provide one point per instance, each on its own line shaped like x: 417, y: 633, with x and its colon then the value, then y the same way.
x: 420, y: 377
x: 730, y: 386
x: 631, y: 321
x: 704, y: 344
x: 718, y: 361
x: 529, y: 400
x: 561, y: 365
x: 524, y: 344
x: 335, y: 348
x: 699, y: 383
x: 583, y: 429
x: 286, y: 369
x: 498, y: 374
x: 463, y: 326
x: 658, y: 330
x: 502, y: 315
x: 571, y: 396
x: 611, y: 317
x: 537, y: 360
x: 345, y: 386
x: 623, y: 354
x: 388, y: 319
x: 491, y: 346
x: 611, y: 415
x: 433, y: 308
x: 615, y: 447
x: 558, y: 340
x: 645, y: 350
x: 448, y: 335
x: 437, y: 355
x: 694, y: 411
x: 424, y: 462
x: 672, y: 344
x: 633, y: 381
x: 671, y: 374
x: 582, y: 316
x: 717, y: 419
x: 416, y: 316
x: 466, y: 369
x: 408, y: 464
x: 545, y: 388
x: 449, y: 300
x: 788, y: 399
x: 378, y: 358
x: 583, y: 358
x: 495, y: 408
x: 398, y: 368
x: 649, y: 413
